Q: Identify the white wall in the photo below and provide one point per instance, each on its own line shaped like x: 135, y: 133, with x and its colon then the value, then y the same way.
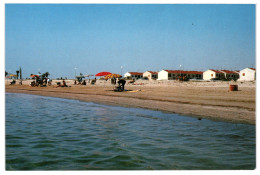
x: 207, y: 75
x: 127, y: 74
x: 162, y: 75
x: 133, y: 76
x: 148, y: 75
x: 247, y: 75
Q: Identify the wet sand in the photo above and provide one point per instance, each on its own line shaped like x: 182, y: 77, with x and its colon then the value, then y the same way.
x: 203, y: 100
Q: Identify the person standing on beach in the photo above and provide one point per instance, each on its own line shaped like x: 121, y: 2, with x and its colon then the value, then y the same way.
x: 113, y: 80
x: 121, y: 84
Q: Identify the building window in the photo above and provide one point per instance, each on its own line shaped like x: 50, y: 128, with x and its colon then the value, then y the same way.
x: 169, y: 75
x: 211, y: 75
x: 243, y: 74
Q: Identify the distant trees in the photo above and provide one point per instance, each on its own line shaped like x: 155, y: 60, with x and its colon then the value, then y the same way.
x: 46, y: 74
x: 17, y: 74
x: 6, y: 73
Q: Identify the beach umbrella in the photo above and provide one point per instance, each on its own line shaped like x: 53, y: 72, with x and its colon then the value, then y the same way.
x: 102, y: 74
x: 113, y: 76
x: 13, y: 75
x: 8, y: 77
x: 34, y: 76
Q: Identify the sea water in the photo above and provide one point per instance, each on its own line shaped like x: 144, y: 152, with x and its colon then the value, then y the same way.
x: 45, y: 133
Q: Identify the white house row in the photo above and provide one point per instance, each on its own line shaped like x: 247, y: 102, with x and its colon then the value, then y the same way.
x: 247, y: 74
x: 176, y: 74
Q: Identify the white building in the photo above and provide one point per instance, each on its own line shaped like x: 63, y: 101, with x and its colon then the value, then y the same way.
x: 150, y: 75
x: 163, y: 75
x: 247, y: 74
x: 133, y: 75
x: 176, y: 74
x: 231, y: 75
x: 211, y: 73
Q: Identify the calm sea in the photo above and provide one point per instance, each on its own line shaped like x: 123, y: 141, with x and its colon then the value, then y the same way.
x: 45, y: 133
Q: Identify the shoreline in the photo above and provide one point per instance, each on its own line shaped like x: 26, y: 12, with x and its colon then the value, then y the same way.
x: 214, y: 103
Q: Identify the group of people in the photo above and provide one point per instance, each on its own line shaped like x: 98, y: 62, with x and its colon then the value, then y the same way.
x: 121, y: 84
x: 12, y: 82
x: 41, y: 82
x: 80, y: 83
x: 44, y: 82
x: 84, y: 82
x: 114, y: 81
x: 62, y: 85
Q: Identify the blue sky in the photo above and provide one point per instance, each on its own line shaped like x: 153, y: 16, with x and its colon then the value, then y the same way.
x: 99, y: 37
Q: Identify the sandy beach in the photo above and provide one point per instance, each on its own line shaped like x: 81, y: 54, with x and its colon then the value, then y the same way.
x: 211, y: 100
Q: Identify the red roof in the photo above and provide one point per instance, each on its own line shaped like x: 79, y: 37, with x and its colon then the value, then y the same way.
x: 217, y: 71
x: 194, y: 72
x: 183, y: 72
x: 153, y: 72
x: 229, y: 72
x: 252, y: 68
x: 135, y: 73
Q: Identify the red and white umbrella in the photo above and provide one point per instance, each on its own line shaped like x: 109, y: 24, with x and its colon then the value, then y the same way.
x: 102, y: 74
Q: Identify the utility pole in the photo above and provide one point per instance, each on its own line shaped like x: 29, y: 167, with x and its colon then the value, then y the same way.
x: 75, y: 71
x: 122, y: 70
x: 20, y: 73
x: 180, y: 72
x: 21, y: 76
